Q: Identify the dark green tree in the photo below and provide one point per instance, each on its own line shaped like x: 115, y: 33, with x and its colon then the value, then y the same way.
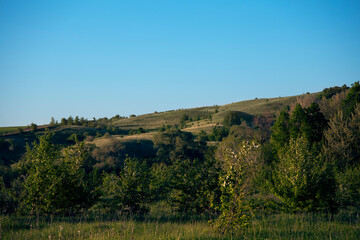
x: 63, y: 121
x: 52, y: 122
x: 70, y: 120
x: 303, y: 179
x: 33, y: 126
x: 53, y: 177
x: 128, y: 191
x: 280, y: 132
x: 352, y: 98
x: 76, y: 120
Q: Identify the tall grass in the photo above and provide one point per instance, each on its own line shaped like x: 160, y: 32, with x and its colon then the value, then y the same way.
x: 345, y: 226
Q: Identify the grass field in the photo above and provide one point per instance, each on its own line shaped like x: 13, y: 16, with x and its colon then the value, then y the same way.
x: 156, y: 120
x: 277, y: 226
x: 4, y: 130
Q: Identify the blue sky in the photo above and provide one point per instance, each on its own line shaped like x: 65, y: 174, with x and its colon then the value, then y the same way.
x: 102, y: 58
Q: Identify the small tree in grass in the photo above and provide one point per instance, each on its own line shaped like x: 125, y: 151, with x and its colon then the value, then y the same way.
x: 235, y: 213
x: 53, y: 178
x: 33, y: 126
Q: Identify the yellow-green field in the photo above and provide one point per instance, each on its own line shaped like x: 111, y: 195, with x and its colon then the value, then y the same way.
x: 276, y: 226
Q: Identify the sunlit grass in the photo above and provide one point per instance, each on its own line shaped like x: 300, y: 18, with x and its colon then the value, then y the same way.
x: 275, y: 226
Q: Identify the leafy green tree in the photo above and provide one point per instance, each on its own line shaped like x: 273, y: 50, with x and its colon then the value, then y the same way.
x: 348, y: 193
x: 303, y: 122
x: 329, y: 92
x: 140, y: 130
x: 192, y: 171
x: 70, y: 120
x: 76, y: 120
x: 236, y: 118
x: 63, y: 121
x: 53, y: 177
x: 280, y: 132
x: 20, y: 130
x: 8, y: 201
x: 298, y: 124
x: 352, y: 98
x: 316, y: 122
x: 218, y: 133
x: 194, y: 184
x: 235, y: 212
x: 174, y: 144
x: 130, y: 190
x: 203, y: 136
x: 342, y: 149
x: 33, y: 126
x: 52, y: 122
x: 342, y: 140
x: 303, y: 179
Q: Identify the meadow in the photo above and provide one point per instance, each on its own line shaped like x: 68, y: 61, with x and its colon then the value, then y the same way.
x: 344, y: 225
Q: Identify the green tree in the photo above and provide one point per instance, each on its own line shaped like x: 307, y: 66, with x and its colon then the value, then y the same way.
x: 70, y: 120
x: 191, y: 169
x: 235, y: 212
x: 76, y: 120
x: 342, y: 149
x: 33, y: 126
x: 53, y: 177
x: 194, y: 184
x: 280, y: 132
x: 303, y: 179
x: 236, y: 118
x: 63, y: 121
x: 52, y: 122
x: 352, y: 98
x: 218, y: 133
x: 130, y: 190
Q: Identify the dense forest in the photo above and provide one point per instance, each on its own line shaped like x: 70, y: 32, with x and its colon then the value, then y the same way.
x: 305, y: 158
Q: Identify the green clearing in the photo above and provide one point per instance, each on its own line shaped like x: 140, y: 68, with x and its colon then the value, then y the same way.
x: 5, y: 130
x: 153, y: 121
x: 276, y: 226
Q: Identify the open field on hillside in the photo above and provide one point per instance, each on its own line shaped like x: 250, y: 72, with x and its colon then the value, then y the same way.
x: 104, y: 141
x: 202, y: 115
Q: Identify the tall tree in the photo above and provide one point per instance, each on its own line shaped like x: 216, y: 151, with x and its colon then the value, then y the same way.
x: 53, y: 177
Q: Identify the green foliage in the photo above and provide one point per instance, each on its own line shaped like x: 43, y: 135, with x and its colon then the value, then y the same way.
x: 329, y: 92
x: 342, y: 140
x: 280, y: 132
x: 52, y: 122
x: 303, y: 179
x: 70, y: 120
x: 218, y: 133
x: 175, y: 144
x: 33, y: 126
x: 63, y: 121
x: 349, y: 187
x: 129, y: 190
x: 203, y: 136
x: 236, y: 118
x: 352, y: 98
x: 53, y: 178
x: 191, y: 170
x: 235, y: 213
x: 8, y: 200
x: 309, y: 123
x: 194, y: 185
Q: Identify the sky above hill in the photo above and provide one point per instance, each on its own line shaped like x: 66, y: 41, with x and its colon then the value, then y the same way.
x: 101, y: 58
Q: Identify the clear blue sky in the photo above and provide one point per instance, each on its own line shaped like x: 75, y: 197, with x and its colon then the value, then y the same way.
x: 102, y: 58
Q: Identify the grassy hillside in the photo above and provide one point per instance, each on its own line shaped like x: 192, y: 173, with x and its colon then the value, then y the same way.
x: 100, y: 133
x: 200, y: 116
